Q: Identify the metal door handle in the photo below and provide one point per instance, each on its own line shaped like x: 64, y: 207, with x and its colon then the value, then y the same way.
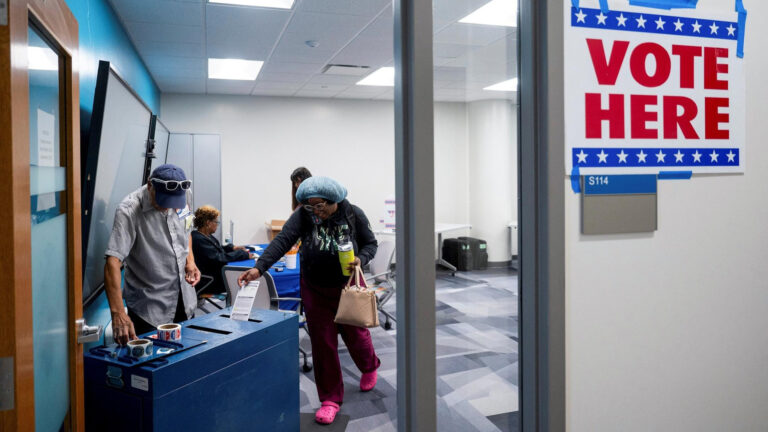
x: 86, y: 333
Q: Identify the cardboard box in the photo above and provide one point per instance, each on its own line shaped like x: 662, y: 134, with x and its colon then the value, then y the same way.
x: 273, y: 227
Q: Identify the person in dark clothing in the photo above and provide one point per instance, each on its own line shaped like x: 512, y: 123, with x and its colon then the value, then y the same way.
x: 326, y: 220
x: 210, y: 255
x: 297, y: 176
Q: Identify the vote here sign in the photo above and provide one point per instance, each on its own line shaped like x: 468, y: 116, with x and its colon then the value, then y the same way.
x: 649, y: 90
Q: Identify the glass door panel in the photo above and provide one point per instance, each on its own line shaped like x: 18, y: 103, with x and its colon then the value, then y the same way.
x: 49, y: 237
x: 475, y: 108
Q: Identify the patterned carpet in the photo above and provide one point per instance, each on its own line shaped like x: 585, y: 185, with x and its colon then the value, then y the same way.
x: 477, y: 361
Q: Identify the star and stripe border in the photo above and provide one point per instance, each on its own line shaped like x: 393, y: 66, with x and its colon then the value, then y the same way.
x: 654, y: 23
x: 619, y: 157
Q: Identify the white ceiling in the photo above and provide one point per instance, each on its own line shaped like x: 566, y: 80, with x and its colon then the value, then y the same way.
x: 176, y: 37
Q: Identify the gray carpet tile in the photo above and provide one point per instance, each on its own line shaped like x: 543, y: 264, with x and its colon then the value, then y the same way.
x: 477, y: 361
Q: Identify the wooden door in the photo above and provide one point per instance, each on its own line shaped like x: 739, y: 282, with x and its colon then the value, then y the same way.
x: 40, y: 239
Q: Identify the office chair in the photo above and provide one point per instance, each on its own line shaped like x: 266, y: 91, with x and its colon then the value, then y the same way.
x: 205, y: 281
x: 265, y: 299
x: 382, y: 278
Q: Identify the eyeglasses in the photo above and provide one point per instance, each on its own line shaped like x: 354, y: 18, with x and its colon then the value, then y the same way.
x: 318, y: 206
x: 172, y: 185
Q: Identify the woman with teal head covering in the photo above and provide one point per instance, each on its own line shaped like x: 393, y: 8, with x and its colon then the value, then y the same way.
x: 324, y: 221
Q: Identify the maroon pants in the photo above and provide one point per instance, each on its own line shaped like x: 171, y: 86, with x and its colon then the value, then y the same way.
x: 320, y: 305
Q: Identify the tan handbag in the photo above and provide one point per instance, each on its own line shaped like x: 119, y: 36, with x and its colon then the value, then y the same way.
x: 357, y: 305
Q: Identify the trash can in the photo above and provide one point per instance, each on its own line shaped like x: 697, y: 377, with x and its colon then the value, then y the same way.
x: 478, y: 249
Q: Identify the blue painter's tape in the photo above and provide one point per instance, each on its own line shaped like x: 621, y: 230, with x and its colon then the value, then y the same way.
x: 675, y: 175
x: 575, y: 185
x: 742, y: 25
x: 604, y: 6
x: 665, y: 4
x: 622, y: 184
x: 575, y: 3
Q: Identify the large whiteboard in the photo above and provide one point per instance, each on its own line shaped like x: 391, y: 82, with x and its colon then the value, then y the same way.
x: 116, y: 155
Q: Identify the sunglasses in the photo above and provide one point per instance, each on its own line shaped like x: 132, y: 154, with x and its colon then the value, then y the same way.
x: 318, y: 206
x: 172, y: 185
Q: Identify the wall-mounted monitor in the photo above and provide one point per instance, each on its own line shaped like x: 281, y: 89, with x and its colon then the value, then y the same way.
x: 114, y: 165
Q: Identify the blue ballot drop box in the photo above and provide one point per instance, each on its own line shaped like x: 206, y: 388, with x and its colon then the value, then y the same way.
x: 225, y: 375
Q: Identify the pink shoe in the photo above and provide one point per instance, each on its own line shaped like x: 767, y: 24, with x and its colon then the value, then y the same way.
x: 368, y: 381
x: 327, y: 412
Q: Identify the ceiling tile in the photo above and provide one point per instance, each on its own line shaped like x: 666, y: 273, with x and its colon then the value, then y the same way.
x: 470, y: 34
x: 159, y: 11
x: 277, y: 85
x: 449, y: 50
x: 300, y: 53
x: 381, y: 28
x: 181, y: 85
x: 346, y: 7
x: 274, y: 66
x: 287, y: 77
x: 242, y: 32
x: 148, y: 32
x: 320, y: 87
x: 175, y: 38
x: 188, y: 67
x: 346, y: 80
x: 365, y: 52
x: 316, y: 93
x: 330, y: 30
x: 270, y: 92
x: 450, y: 73
x: 178, y: 49
x: 363, y: 92
x: 215, y: 86
x: 446, y: 12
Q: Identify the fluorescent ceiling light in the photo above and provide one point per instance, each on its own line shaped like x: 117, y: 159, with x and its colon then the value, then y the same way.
x: 508, y: 85
x: 495, y: 12
x: 233, y: 69
x: 42, y: 59
x: 277, y: 4
x: 383, y: 77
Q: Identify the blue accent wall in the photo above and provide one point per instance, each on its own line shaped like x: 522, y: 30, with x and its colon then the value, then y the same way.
x: 102, y: 37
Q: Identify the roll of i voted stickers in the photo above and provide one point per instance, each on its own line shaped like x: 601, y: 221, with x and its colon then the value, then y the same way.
x: 140, y: 348
x: 169, y: 332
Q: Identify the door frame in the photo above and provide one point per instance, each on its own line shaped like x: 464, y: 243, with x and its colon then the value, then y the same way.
x: 541, y: 191
x: 54, y: 18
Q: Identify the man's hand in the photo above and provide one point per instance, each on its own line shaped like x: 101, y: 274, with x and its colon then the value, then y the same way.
x: 250, y: 275
x: 356, y: 263
x: 192, y: 273
x: 252, y: 255
x: 122, y: 328
x: 238, y: 248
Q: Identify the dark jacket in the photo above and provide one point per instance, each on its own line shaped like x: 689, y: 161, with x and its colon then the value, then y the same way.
x: 319, y: 244
x: 210, y: 257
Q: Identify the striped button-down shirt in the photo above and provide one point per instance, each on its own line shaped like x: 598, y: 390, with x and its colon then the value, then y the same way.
x: 153, y: 246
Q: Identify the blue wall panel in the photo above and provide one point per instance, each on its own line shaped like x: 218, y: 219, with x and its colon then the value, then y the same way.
x: 102, y: 37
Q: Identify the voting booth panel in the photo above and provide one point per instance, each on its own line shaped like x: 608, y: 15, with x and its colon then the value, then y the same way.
x: 225, y: 375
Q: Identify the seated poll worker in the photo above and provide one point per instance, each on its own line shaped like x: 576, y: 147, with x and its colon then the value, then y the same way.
x: 151, y: 238
x: 324, y: 221
x: 210, y: 255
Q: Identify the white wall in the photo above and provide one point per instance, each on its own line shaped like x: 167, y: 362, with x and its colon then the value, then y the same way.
x: 264, y: 138
x: 669, y: 331
x: 493, y: 173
